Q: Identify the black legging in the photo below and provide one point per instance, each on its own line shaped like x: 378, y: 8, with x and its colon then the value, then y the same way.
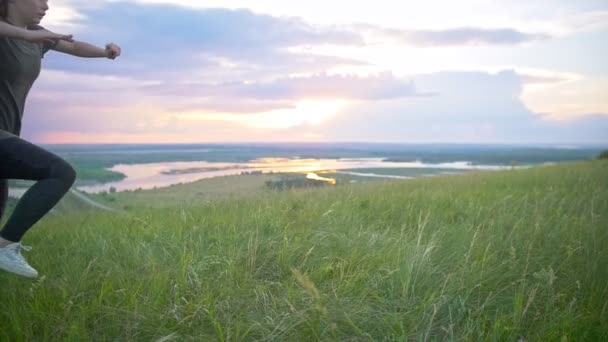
x: 20, y: 159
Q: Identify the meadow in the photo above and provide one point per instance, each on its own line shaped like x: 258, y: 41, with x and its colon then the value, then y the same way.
x: 481, y: 256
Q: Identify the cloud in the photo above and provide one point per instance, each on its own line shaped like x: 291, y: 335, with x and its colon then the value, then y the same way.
x: 586, y: 21
x: 101, y: 105
x: 224, y: 104
x: 321, y: 86
x: 168, y: 41
x: 453, y: 37
x: 569, y: 99
x: 236, y: 64
x: 67, y: 100
x: 159, y: 26
x: 468, y: 107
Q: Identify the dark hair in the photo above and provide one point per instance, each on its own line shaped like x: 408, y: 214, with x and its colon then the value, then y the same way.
x: 3, y: 8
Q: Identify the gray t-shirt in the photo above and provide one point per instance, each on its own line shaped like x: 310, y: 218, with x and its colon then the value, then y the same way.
x: 19, y: 67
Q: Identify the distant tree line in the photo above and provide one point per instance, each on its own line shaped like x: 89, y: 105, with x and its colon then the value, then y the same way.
x: 287, y: 183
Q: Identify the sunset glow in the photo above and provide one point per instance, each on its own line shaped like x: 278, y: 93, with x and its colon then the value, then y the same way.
x: 412, y: 71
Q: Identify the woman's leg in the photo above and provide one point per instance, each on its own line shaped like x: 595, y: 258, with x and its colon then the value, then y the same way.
x: 3, y: 197
x: 20, y: 159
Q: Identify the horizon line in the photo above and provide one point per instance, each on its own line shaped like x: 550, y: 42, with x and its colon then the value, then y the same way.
x: 563, y: 144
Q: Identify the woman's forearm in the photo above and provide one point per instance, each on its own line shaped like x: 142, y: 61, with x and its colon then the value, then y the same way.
x: 83, y: 49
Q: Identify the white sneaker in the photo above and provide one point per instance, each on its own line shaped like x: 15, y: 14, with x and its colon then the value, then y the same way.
x: 11, y: 260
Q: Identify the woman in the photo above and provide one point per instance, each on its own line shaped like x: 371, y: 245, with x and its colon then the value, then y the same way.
x: 22, y: 45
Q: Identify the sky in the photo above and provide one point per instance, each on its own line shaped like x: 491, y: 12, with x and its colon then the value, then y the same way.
x: 426, y: 71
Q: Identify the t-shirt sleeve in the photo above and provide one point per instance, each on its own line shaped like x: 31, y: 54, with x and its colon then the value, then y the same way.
x: 46, y: 45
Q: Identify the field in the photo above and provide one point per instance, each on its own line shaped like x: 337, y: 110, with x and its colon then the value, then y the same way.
x: 481, y: 256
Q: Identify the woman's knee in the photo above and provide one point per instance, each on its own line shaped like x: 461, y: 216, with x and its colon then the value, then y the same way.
x: 64, y: 171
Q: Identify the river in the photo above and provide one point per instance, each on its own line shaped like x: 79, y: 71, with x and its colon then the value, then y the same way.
x: 148, y: 176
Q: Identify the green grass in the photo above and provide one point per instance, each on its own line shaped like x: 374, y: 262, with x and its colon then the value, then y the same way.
x: 186, y: 195
x: 412, y: 172
x: 473, y: 257
x: 344, y: 178
x: 229, y: 187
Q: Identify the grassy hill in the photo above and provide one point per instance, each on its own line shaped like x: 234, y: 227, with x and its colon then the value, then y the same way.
x: 480, y: 256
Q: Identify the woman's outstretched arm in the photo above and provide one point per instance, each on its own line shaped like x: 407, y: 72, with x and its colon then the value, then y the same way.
x: 83, y: 49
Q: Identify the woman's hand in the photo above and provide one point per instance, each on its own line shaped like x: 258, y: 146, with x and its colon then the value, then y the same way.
x: 42, y: 36
x: 112, y: 50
